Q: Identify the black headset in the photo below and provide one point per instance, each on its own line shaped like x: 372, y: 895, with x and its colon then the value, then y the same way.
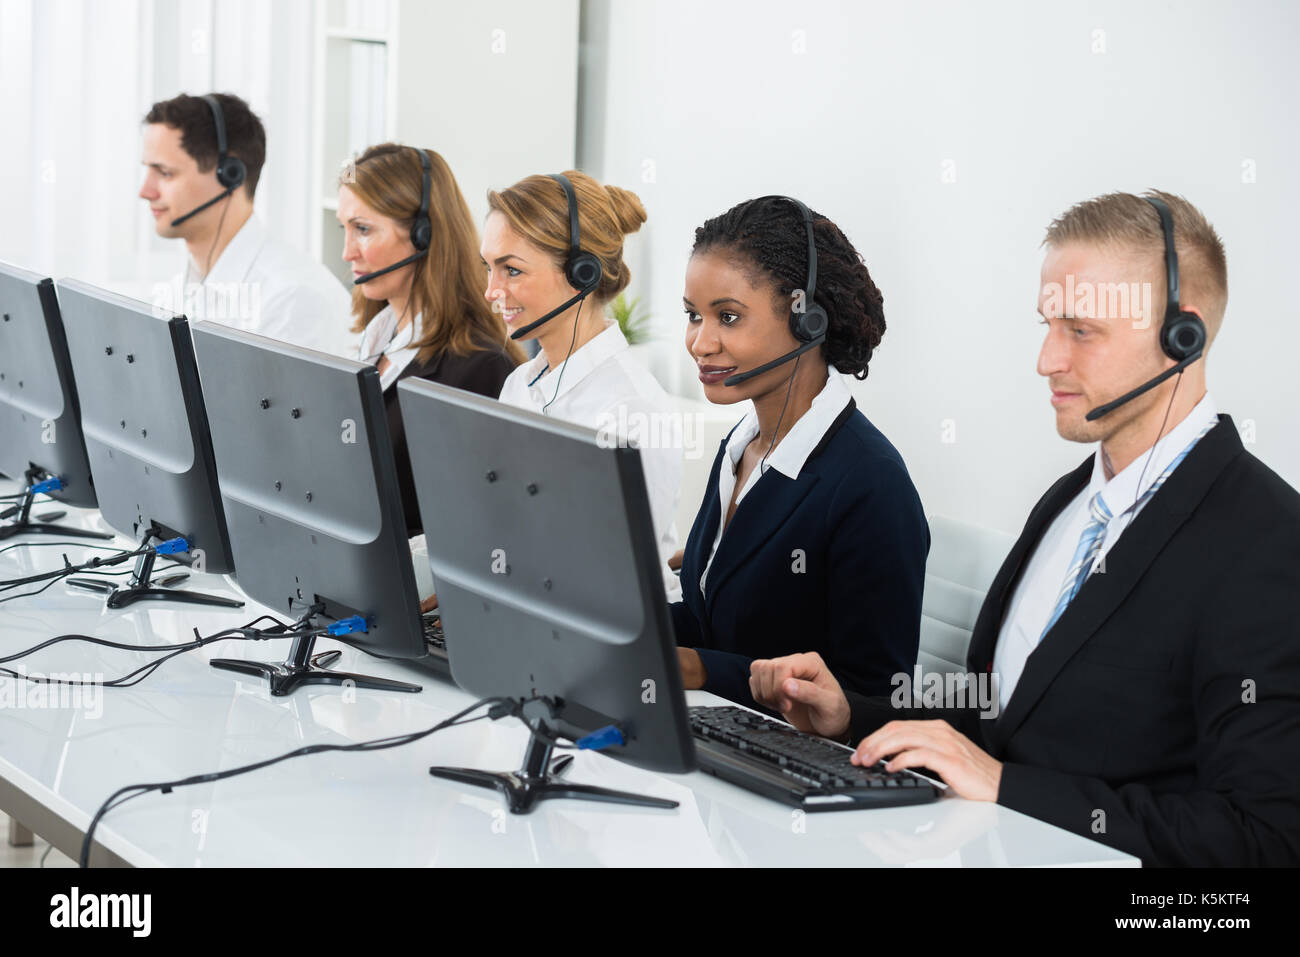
x: 809, y: 324
x: 421, y: 228
x: 231, y: 171
x: 1182, y: 334
x: 582, y: 270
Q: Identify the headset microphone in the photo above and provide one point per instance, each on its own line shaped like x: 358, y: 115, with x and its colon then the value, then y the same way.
x: 1182, y: 334
x: 582, y: 270
x: 421, y: 228
x: 809, y: 325
x: 231, y: 171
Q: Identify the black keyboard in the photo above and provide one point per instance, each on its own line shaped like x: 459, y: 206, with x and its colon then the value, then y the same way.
x: 436, y: 643
x: 773, y: 759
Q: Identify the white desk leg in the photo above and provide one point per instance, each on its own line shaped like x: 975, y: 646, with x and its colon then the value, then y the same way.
x: 19, y: 836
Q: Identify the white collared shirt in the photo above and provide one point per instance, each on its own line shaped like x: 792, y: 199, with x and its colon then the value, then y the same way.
x: 1040, y: 586
x: 601, y: 387
x: 381, y: 337
x: 264, y: 286
x: 789, y: 456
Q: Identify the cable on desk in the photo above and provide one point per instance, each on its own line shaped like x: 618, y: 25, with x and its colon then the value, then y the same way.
x: 503, y: 707
x: 104, y: 548
x: 246, y: 632
x: 71, y: 569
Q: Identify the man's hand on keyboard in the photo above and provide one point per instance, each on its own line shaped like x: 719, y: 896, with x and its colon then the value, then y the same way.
x: 803, y: 691
x: 429, y: 604
x: 936, y: 745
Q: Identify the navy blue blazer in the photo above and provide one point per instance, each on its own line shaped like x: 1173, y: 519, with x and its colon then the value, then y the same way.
x: 833, y: 562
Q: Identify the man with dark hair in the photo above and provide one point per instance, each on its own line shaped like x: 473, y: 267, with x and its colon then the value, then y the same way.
x: 235, y: 273
x: 1144, y: 632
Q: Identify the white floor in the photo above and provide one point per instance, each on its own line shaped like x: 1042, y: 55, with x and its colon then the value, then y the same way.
x: 29, y: 856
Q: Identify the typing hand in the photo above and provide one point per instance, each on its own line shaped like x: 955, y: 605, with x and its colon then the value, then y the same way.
x: 936, y: 745
x: 802, y: 689
x: 429, y: 604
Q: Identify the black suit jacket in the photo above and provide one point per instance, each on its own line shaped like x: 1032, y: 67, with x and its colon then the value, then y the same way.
x: 832, y: 562
x: 483, y: 372
x: 1161, y: 714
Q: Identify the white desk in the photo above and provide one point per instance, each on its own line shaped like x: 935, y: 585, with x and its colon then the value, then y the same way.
x: 58, y: 764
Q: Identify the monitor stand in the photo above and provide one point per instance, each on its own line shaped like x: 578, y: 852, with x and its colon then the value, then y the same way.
x: 142, y: 586
x: 24, y: 525
x: 304, y: 668
x: 536, y: 780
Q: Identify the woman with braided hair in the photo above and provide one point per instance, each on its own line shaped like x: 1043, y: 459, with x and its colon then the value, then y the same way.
x: 811, y: 536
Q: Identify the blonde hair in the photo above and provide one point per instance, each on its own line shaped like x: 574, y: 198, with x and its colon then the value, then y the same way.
x: 1123, y: 219
x: 537, y: 208
x: 447, y: 284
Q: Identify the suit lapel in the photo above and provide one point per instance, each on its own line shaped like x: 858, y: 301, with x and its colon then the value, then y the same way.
x: 988, y: 623
x: 1126, y: 563
x: 764, y: 510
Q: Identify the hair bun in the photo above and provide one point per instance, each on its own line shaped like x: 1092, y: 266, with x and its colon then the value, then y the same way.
x: 628, y: 211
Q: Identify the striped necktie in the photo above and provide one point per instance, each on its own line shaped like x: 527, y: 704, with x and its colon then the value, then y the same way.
x: 1090, y: 541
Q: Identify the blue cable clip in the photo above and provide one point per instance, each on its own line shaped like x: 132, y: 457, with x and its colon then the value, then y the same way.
x: 172, y: 546
x: 345, y: 626
x: 606, y: 737
x: 49, y: 485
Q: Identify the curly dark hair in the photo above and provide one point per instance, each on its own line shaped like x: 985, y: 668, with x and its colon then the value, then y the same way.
x: 767, y: 238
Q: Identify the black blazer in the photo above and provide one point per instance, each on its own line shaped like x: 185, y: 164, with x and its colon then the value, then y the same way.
x: 483, y: 372
x: 833, y: 562
x: 1161, y: 714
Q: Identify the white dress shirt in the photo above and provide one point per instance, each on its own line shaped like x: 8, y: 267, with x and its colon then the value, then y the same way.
x: 1039, y: 587
x: 789, y: 456
x: 264, y: 286
x: 602, y: 388
x: 381, y: 337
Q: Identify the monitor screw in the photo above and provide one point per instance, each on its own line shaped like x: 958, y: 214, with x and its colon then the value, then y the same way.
x: 108, y: 350
x: 130, y: 357
x: 532, y: 488
x: 265, y: 403
x: 491, y: 476
x: 277, y: 486
x: 546, y: 583
x: 309, y: 496
x: 295, y: 413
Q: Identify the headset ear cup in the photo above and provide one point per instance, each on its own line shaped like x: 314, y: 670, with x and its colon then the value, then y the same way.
x: 421, y: 234
x: 810, y: 324
x: 232, y: 172
x: 584, y: 272
x: 1183, y: 336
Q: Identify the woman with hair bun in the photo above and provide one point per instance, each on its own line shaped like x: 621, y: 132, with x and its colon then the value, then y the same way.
x: 546, y: 290
x: 811, y: 536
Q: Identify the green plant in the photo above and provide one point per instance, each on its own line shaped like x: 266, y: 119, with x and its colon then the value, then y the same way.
x: 634, y: 322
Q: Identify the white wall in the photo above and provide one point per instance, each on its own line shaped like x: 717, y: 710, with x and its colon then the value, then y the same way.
x: 859, y: 107
x: 490, y: 86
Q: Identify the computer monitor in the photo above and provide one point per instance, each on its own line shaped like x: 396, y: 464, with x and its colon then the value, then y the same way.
x: 146, y: 435
x: 546, y: 564
x: 40, y: 424
x: 305, y: 466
